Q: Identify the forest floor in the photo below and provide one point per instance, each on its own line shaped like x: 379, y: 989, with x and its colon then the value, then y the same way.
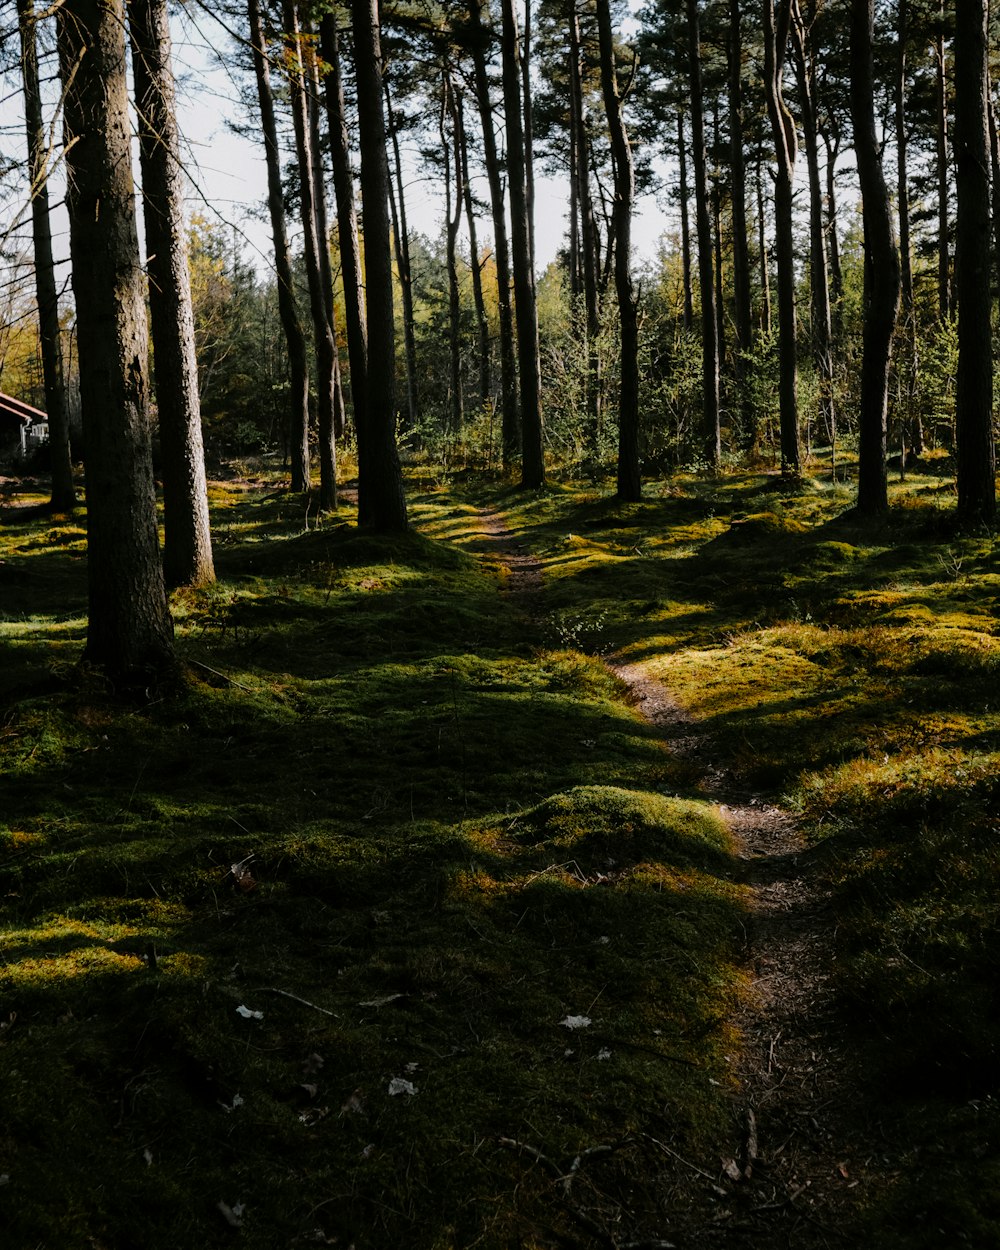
x: 564, y: 873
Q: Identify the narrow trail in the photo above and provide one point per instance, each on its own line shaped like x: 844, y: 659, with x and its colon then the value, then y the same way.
x: 804, y: 1155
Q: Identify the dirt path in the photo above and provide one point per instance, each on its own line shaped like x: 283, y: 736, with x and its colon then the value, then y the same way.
x: 803, y: 1156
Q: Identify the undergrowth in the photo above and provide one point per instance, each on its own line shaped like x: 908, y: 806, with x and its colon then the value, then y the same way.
x: 400, y: 909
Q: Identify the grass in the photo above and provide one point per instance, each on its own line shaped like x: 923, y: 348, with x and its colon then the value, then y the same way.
x: 423, y: 834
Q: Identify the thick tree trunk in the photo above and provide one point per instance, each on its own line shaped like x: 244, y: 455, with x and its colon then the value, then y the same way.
x: 323, y: 337
x: 881, y: 269
x: 743, y: 309
x: 712, y: 437
x: 974, y: 387
x: 387, y: 500
x: 355, y: 320
x: 298, y: 440
x: 913, y: 428
x: 63, y: 491
x: 819, y: 279
x: 776, y: 28
x: 187, y: 548
x: 629, y: 476
x: 532, y: 458
x: 129, y: 631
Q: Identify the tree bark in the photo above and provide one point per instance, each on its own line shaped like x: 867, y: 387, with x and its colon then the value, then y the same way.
x: 404, y: 271
x: 882, y: 279
x: 588, y: 228
x: 63, y: 490
x: 974, y: 387
x: 509, y: 413
x: 532, y: 458
x: 629, y: 476
x: 129, y: 632
x: 388, y: 502
x: 187, y: 548
x: 711, y: 437
x: 743, y: 310
x: 355, y: 318
x: 944, y: 268
x: 475, y: 268
x: 819, y: 279
x: 776, y: 28
x: 324, y: 343
x: 685, y: 193
x: 298, y: 440
x: 454, y: 194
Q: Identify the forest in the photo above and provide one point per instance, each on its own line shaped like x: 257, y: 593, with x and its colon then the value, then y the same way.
x: 500, y: 750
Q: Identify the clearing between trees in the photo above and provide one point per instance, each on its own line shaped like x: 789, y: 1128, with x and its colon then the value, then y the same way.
x: 650, y: 904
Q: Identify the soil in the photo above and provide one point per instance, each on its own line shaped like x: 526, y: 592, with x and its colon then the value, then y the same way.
x: 804, y: 1157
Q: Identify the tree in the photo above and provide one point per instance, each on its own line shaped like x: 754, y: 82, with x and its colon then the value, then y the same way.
x: 63, y: 490
x: 187, y: 547
x: 129, y: 631
x: 629, y: 478
x: 709, y: 329
x: 292, y: 326
x: 776, y: 31
x: 532, y: 459
x: 973, y: 257
x: 385, y: 502
x: 882, y: 280
x: 314, y: 244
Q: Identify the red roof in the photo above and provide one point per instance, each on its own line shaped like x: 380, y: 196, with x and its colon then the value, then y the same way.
x: 25, y: 413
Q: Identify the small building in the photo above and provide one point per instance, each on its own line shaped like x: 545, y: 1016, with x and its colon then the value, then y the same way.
x: 23, y: 428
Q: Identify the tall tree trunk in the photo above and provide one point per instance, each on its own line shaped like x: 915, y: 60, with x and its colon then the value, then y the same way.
x: 298, y: 441
x: 588, y: 228
x: 712, y: 437
x: 974, y: 387
x: 129, y: 631
x: 629, y: 476
x: 63, y: 491
x: 881, y: 269
x: 313, y: 96
x: 454, y: 194
x: 765, y: 264
x: 944, y: 267
x: 831, y: 143
x: 323, y: 339
x: 819, y: 280
x: 187, y: 547
x: 475, y: 267
x: 685, y: 194
x: 718, y: 247
x: 532, y: 458
x: 743, y: 310
x: 404, y: 271
x: 913, y: 434
x: 388, y: 502
x: 355, y: 318
x: 529, y: 128
x: 509, y: 413
x: 776, y: 29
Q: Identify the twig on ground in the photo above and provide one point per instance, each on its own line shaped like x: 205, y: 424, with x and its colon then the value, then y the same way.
x: 679, y: 1158
x: 271, y: 989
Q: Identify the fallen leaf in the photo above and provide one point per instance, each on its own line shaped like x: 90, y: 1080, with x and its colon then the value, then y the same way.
x: 576, y: 1022
x: 398, y: 1086
x: 604, y: 1054
x: 247, y: 1014
x: 233, y: 1215
x: 381, y: 1002
x: 732, y: 1169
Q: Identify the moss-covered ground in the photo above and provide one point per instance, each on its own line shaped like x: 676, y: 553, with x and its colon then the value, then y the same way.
x: 302, y: 954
